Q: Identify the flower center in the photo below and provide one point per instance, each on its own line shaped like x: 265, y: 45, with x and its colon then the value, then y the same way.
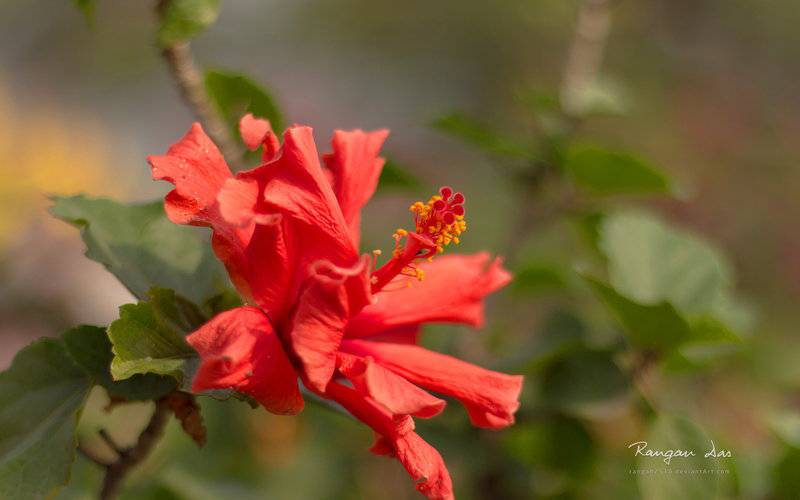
x: 438, y: 223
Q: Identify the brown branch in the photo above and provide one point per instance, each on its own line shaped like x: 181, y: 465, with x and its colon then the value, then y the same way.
x: 130, y: 458
x: 586, y: 53
x: 189, y: 80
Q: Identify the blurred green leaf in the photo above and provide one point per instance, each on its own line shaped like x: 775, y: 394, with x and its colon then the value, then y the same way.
x: 651, y: 262
x: 559, y: 443
x: 90, y: 348
x: 228, y: 299
x: 601, y: 97
x: 149, y: 337
x: 603, y: 172
x: 657, y: 326
x: 41, y: 396
x: 666, y: 287
x: 787, y: 427
x: 674, y: 433
x: 396, y: 176
x: 786, y: 480
x: 142, y: 248
x: 181, y: 20
x: 563, y: 332
x: 588, y: 226
x: 235, y: 95
x: 538, y: 276
x: 478, y: 134
x: 87, y: 9
x: 547, y: 112
x: 583, y: 380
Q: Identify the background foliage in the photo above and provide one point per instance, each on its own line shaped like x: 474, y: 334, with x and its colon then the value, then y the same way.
x: 627, y: 317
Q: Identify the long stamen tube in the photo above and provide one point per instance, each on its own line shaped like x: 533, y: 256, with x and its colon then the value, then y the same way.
x: 437, y: 223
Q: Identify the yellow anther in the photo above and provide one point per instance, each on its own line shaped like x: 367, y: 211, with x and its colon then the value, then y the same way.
x: 376, y: 252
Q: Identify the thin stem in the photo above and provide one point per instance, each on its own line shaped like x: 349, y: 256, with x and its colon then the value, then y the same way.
x: 189, y: 80
x: 586, y: 53
x: 130, y: 458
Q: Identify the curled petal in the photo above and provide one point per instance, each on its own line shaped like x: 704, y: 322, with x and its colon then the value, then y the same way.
x: 490, y: 397
x: 329, y: 297
x: 239, y: 350
x: 425, y: 465
x: 397, y: 438
x: 355, y: 167
x: 253, y: 247
x: 257, y: 132
x: 395, y: 393
x: 453, y: 291
x: 295, y: 185
x: 197, y: 169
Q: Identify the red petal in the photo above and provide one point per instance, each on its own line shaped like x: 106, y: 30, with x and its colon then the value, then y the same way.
x: 397, y: 437
x: 408, y: 334
x: 258, y: 132
x: 255, y: 253
x: 452, y: 292
x: 356, y: 167
x: 239, y: 350
x: 395, y: 393
x: 296, y: 186
x: 328, y: 299
x: 253, y: 130
x: 270, y: 224
x: 198, y: 170
x: 425, y: 465
x: 491, y: 398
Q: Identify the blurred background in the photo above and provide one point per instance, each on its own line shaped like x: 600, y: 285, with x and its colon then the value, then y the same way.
x: 709, y: 90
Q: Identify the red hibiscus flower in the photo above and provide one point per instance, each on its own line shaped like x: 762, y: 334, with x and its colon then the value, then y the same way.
x: 288, y: 234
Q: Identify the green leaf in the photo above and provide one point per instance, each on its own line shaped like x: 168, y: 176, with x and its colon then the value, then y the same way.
x: 185, y: 19
x: 673, y: 433
x: 600, y: 97
x: 650, y: 262
x: 603, y: 172
x: 562, y: 333
x: 142, y: 248
x: 583, y: 381
x: 41, y: 396
x: 224, y: 301
x: 786, y: 426
x: 396, y: 176
x: 235, y: 95
x: 786, y: 480
x: 657, y: 326
x: 90, y: 348
x: 667, y: 288
x: 538, y: 276
x: 87, y: 8
x: 559, y: 443
x: 478, y: 134
x: 149, y: 337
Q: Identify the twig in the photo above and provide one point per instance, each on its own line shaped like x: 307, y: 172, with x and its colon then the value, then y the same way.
x: 583, y: 62
x: 190, y: 82
x: 130, y: 458
x: 586, y: 53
